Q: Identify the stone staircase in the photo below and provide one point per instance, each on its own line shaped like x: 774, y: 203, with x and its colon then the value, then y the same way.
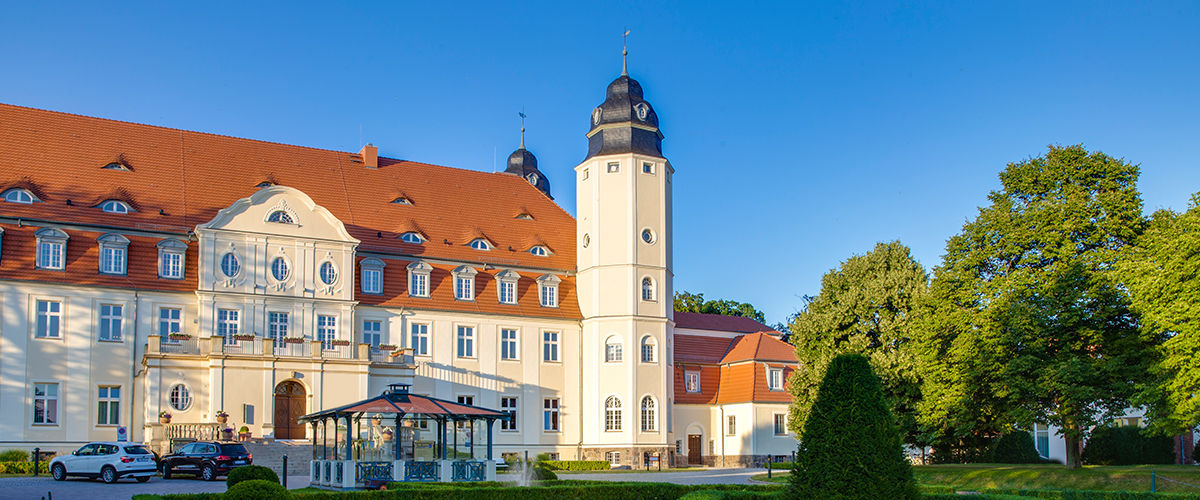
x: 270, y: 454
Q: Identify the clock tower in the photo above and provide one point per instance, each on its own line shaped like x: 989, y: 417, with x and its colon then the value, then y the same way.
x: 624, y: 242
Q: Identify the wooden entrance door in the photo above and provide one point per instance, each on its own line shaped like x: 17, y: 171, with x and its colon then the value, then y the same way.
x: 694, y: 448
x: 290, y: 404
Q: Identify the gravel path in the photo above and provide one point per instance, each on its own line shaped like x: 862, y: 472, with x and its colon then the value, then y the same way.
x: 43, y: 487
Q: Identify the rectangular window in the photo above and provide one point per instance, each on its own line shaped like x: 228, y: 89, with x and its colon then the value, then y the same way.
x: 171, y: 265
x: 647, y: 168
x: 508, y: 292
x: 613, y: 458
x: 549, y: 296
x: 45, y: 404
x: 550, y: 414
x: 112, y: 260
x: 464, y: 288
x: 612, y: 352
x: 371, y: 281
x: 731, y: 425
x: 168, y: 322
x: 110, y: 322
x: 1043, y: 439
x: 614, y: 167
x: 108, y: 406
x: 647, y: 350
x: 49, y: 319
x: 420, y: 339
x: 420, y: 285
x: 50, y: 255
x: 466, y: 400
x: 691, y: 381
x: 372, y: 332
x: 509, y: 406
x: 466, y: 342
x: 780, y: 424
x: 508, y: 344
x: 228, y: 324
x: 326, y: 330
x: 277, y: 327
x: 550, y: 346
x: 775, y: 379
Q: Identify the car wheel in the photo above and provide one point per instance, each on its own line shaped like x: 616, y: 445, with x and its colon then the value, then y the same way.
x: 142, y: 479
x: 166, y: 471
x: 59, y: 472
x: 208, y: 473
x: 108, y: 474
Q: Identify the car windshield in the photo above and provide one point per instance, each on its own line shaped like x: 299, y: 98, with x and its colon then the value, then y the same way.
x: 233, y: 449
x: 136, y: 449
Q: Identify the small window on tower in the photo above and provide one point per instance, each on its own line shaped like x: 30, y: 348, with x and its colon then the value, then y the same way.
x: 648, y: 168
x: 585, y: 174
x: 614, y: 167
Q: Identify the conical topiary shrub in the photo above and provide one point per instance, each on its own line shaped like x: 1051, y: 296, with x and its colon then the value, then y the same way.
x: 850, y: 446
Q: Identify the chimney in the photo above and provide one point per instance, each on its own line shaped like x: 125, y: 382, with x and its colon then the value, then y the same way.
x: 370, y: 156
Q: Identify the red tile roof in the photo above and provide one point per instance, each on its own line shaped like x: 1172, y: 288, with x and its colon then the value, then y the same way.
x: 178, y: 179
x: 731, y: 370
x: 700, y: 348
x: 760, y: 346
x: 718, y: 322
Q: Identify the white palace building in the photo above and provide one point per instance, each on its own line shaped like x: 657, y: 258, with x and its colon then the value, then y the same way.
x: 147, y: 270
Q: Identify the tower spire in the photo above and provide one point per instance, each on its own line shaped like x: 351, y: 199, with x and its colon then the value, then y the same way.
x: 522, y: 113
x: 625, y: 54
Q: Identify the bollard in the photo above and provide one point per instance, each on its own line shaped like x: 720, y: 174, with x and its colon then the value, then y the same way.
x: 770, y: 463
x: 37, y: 454
x: 284, y: 472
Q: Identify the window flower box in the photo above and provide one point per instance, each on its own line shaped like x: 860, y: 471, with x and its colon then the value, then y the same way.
x: 179, y: 336
x: 244, y: 337
x: 340, y: 343
x: 387, y: 347
x: 293, y: 340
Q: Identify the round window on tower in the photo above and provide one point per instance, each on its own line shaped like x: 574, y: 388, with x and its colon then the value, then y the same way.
x: 587, y: 240
x: 648, y: 236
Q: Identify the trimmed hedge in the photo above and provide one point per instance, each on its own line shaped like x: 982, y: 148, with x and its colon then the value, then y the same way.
x: 781, y: 465
x: 256, y: 489
x: 24, y: 467
x: 250, y: 473
x: 14, y: 456
x: 1127, y: 446
x: 1015, y: 447
x: 577, y: 465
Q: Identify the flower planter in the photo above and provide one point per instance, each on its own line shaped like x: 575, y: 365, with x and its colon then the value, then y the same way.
x: 178, y: 336
x: 387, y: 347
x: 387, y: 435
x: 222, y: 419
x: 243, y: 338
x: 293, y: 340
x: 227, y: 434
x: 164, y: 420
x: 243, y: 436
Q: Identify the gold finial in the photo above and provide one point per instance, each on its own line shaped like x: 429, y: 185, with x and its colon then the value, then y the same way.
x: 625, y: 54
x: 522, y: 113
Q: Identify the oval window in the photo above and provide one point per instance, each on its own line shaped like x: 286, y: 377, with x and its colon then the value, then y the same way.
x: 587, y: 240
x: 648, y: 236
x: 328, y: 273
x: 181, y: 399
x: 279, y: 269
x: 230, y: 265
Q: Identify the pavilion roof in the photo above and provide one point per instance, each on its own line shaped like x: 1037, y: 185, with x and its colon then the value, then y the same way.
x: 403, y: 403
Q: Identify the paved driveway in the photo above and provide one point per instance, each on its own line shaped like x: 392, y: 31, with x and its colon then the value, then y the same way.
x: 35, y: 488
x: 699, y: 476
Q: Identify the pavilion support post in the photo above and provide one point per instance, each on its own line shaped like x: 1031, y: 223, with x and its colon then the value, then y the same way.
x: 336, y: 451
x: 349, y: 442
x: 314, y: 451
x: 396, y: 436
x: 489, y: 438
x: 471, y: 424
x: 443, y: 437
x: 454, y: 431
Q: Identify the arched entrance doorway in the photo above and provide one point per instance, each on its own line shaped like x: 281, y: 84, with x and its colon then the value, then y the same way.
x: 290, y: 405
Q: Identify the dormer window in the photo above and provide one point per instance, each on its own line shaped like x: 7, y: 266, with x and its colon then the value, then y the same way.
x: 524, y: 216
x: 281, y: 217
x: 51, y: 246
x: 18, y: 195
x: 480, y: 244
x: 113, y: 252
x: 464, y: 283
x: 115, y: 207
x: 116, y: 166
x: 402, y: 200
x: 418, y: 279
x: 372, y: 275
x: 264, y: 184
x: 548, y: 290
x: 412, y: 237
x: 539, y: 251
x: 170, y: 259
x: 506, y: 288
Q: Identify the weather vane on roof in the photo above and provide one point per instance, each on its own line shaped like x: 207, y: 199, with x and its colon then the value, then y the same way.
x: 522, y: 113
x: 625, y: 53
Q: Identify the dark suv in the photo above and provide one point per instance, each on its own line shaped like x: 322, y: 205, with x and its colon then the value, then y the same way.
x: 205, y: 459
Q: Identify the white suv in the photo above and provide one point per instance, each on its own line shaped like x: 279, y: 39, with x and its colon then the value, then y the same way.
x: 107, y: 460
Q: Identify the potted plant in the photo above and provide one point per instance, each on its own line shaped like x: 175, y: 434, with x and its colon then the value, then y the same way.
x: 164, y: 417
x: 387, y: 435
x: 227, y: 434
x: 244, y: 434
x: 222, y: 417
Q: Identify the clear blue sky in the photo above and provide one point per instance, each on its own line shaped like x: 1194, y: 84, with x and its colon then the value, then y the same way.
x: 801, y: 132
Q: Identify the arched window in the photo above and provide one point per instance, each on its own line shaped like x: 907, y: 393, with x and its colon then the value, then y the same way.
x: 612, y: 414
x: 539, y: 251
x: 480, y: 244
x: 412, y: 237
x: 647, y: 289
x: 281, y: 217
x: 648, y: 420
x: 612, y: 350
x: 18, y: 195
x: 648, y: 349
x: 115, y: 207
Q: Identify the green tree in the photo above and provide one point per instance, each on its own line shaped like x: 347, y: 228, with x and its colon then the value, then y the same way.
x: 1162, y: 274
x: 1026, y: 323
x: 866, y: 306
x: 850, y: 447
x: 694, y: 302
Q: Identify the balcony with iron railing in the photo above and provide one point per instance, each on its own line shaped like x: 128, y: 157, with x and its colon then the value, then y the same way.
x: 293, y: 347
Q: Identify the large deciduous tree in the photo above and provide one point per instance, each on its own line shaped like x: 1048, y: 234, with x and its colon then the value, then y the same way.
x: 1026, y: 323
x: 694, y: 302
x: 866, y: 306
x: 1162, y: 274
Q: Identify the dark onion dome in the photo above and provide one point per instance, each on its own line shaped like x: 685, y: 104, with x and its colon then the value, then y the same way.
x: 521, y: 162
x: 624, y: 122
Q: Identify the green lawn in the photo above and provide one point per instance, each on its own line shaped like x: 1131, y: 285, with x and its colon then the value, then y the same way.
x: 1108, y: 478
